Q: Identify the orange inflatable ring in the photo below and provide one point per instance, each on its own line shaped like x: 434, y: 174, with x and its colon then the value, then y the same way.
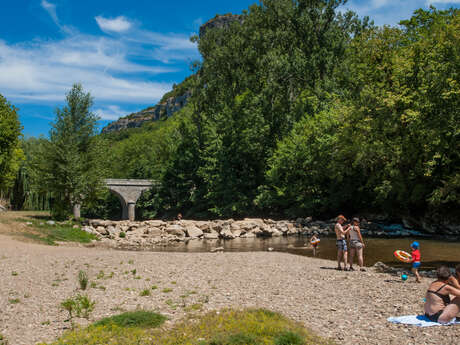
x: 315, y: 242
x: 403, y: 256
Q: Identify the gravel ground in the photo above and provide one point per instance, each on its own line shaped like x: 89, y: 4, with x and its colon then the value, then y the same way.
x: 349, y: 307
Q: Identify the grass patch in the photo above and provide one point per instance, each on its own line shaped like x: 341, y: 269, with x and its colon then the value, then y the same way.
x: 166, y: 290
x: 50, y: 234
x: 14, y: 300
x: 227, y: 327
x: 137, y: 319
x: 144, y: 293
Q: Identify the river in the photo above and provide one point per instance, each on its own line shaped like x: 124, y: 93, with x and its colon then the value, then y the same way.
x: 434, y: 252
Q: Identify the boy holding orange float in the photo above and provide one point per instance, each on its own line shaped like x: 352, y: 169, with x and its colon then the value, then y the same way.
x: 416, y: 260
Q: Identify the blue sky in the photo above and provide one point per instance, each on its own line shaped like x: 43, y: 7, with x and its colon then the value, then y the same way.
x: 126, y: 53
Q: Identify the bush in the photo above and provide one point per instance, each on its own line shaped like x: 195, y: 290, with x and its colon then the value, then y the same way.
x: 140, y: 318
x: 83, y: 280
x: 145, y: 292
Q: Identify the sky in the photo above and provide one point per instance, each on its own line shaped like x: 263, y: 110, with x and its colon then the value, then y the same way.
x: 127, y: 54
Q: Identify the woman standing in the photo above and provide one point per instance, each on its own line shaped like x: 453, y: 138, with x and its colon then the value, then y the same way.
x: 356, y: 244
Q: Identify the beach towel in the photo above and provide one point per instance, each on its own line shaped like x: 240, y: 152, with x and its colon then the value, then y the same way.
x: 419, y: 321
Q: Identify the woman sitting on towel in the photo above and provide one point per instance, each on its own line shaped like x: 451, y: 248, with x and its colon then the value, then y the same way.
x: 439, y: 307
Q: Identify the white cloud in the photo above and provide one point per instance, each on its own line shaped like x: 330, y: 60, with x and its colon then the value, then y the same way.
x: 51, y: 9
x: 45, y: 71
x: 118, y: 24
x: 430, y: 2
x: 111, y: 112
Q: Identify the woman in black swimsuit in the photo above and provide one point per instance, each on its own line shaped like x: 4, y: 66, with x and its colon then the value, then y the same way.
x: 439, y: 307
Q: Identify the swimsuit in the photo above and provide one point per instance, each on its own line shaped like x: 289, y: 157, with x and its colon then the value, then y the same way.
x: 416, y: 264
x: 445, y: 300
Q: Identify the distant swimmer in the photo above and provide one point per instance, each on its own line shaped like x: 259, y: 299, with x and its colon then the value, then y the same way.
x: 314, y: 241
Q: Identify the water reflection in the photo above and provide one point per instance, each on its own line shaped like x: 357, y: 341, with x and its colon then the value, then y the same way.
x: 434, y: 252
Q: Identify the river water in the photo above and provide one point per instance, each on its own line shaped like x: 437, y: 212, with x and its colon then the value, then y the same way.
x: 434, y: 252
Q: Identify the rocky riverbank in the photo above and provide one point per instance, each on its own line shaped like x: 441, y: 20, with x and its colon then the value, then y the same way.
x: 156, y: 233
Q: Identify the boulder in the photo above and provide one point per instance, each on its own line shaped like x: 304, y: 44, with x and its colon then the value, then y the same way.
x: 213, y: 235
x: 193, y: 231
x: 154, y: 231
x: 155, y: 223
x: 227, y: 234
x: 175, y: 230
x: 102, y: 230
x: 204, y: 226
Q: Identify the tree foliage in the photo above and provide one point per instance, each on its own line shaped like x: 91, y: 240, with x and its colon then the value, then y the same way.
x: 70, y: 164
x: 10, y: 150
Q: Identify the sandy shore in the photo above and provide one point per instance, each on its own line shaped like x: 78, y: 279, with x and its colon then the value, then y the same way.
x: 349, y: 307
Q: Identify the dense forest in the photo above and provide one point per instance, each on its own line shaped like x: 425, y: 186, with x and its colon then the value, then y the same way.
x: 295, y: 109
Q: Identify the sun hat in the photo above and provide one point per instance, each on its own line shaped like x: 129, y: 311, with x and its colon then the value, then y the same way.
x: 341, y: 217
x: 356, y: 219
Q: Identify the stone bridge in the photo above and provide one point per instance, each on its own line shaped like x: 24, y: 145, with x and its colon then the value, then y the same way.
x: 129, y: 191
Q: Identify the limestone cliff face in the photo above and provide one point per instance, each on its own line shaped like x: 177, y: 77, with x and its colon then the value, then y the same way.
x: 179, y: 96
x: 220, y: 21
x: 163, y: 109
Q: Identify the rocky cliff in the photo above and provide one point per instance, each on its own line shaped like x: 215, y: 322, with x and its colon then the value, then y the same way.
x: 165, y: 108
x: 220, y: 21
x: 176, y: 99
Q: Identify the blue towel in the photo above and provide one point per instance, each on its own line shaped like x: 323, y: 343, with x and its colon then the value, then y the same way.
x: 419, y: 321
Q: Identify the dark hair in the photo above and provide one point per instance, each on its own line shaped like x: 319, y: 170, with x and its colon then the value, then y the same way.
x: 443, y: 273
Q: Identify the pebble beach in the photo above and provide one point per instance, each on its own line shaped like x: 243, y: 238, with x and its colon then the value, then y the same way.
x: 347, y: 307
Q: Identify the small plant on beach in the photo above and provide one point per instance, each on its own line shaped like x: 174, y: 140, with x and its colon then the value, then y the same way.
x: 84, y: 306
x: 69, y: 306
x: 3, y: 340
x: 130, y: 262
x: 154, y: 287
x: 83, y: 280
x: 166, y: 290
x: 171, y: 304
x: 14, y: 273
x: 100, y: 275
x: 80, y: 306
x: 145, y: 292
x: 122, y: 235
x: 93, y: 285
x: 14, y: 300
x: 134, y: 271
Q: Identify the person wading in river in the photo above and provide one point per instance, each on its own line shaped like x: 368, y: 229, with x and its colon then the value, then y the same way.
x: 439, y: 307
x: 356, y: 244
x: 342, y: 250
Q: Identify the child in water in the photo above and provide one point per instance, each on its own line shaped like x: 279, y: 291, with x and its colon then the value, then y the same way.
x: 416, y: 260
x: 314, y: 241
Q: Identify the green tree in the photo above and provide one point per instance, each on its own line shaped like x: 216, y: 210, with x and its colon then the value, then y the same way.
x: 71, y: 164
x: 10, y: 151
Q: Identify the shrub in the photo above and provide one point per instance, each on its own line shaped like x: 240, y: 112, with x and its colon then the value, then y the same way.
x: 289, y: 338
x: 140, y: 318
x: 145, y: 292
x: 122, y: 235
x: 82, y: 306
x: 83, y: 280
x: 166, y: 290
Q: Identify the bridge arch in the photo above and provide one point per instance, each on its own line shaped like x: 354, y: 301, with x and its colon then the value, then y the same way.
x: 128, y: 191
